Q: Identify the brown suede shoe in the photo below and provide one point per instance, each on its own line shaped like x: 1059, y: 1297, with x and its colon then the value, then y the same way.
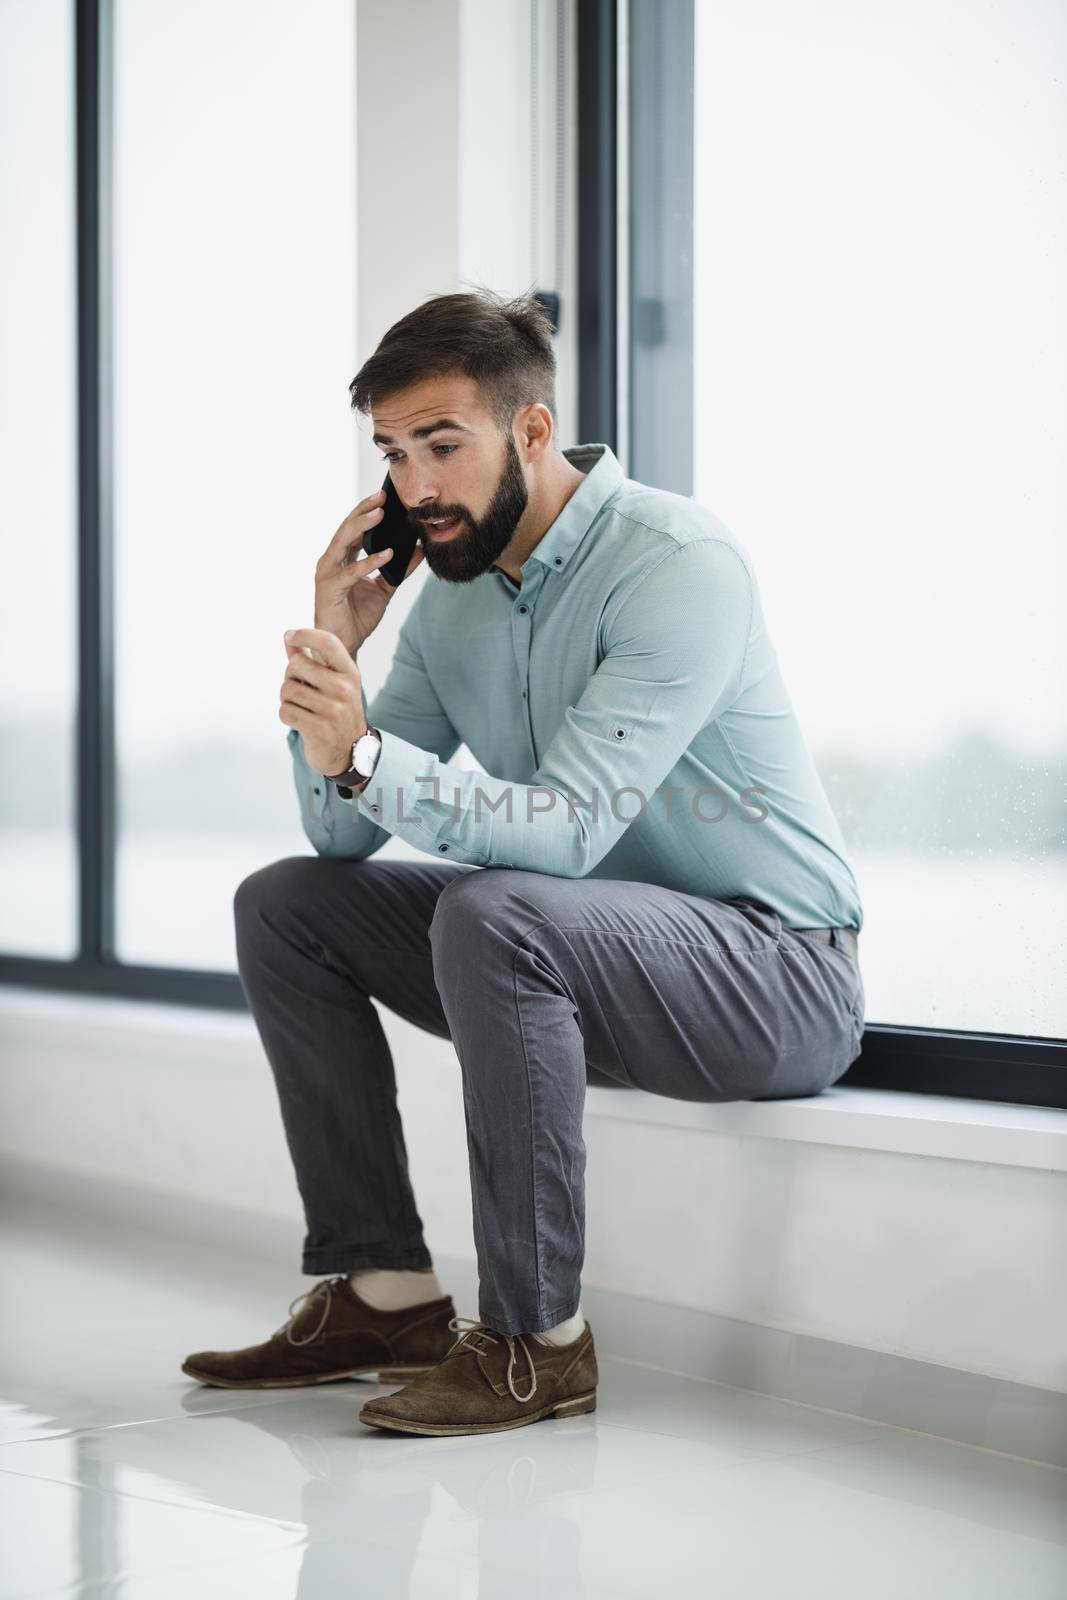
x: 335, y: 1334
x: 484, y: 1386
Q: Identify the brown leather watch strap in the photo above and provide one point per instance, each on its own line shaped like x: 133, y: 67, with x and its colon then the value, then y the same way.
x: 348, y: 781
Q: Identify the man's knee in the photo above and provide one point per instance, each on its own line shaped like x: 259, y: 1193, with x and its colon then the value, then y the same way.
x: 494, y: 908
x: 273, y: 887
x: 472, y: 903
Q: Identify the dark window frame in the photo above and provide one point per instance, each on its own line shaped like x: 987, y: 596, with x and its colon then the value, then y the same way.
x: 977, y: 1066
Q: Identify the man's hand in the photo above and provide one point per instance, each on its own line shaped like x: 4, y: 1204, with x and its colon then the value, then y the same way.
x: 320, y: 696
x: 347, y: 603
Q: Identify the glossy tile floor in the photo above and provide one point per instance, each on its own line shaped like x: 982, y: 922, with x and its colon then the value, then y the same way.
x: 119, y: 1477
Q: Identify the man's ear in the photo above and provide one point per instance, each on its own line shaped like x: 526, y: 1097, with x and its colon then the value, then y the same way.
x: 535, y: 428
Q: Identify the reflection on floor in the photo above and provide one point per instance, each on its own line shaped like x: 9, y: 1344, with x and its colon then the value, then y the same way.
x: 119, y: 1477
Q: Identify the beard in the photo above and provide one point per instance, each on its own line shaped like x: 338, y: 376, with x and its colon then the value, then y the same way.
x: 482, y: 540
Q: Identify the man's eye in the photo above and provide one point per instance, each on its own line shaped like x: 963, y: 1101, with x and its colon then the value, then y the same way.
x: 394, y: 455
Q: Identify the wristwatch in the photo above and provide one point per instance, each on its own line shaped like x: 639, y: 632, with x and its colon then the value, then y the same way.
x: 365, y: 753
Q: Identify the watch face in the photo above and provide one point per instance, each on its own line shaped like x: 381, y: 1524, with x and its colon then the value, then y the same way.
x: 365, y: 754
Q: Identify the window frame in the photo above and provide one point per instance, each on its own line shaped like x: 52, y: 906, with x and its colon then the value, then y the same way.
x: 1013, y: 1069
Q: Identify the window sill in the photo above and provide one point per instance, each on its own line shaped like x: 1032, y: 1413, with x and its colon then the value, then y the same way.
x: 862, y: 1119
x: 865, y: 1119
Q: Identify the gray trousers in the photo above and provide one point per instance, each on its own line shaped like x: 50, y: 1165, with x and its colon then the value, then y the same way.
x: 544, y: 984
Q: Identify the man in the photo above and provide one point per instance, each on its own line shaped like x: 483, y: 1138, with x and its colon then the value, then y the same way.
x: 669, y: 907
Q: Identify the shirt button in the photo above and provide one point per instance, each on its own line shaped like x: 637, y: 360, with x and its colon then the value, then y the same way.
x: 374, y: 807
x: 442, y: 847
x: 559, y: 561
x: 524, y: 609
x: 524, y: 694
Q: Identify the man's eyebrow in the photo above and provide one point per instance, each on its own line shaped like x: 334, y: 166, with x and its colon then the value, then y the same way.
x: 425, y: 431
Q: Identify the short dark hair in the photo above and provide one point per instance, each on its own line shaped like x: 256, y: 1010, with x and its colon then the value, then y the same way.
x: 504, y: 345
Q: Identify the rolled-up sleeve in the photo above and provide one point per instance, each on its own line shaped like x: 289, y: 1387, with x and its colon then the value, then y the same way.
x: 674, y: 655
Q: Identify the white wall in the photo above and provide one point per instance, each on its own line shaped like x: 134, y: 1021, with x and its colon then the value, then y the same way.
x: 456, y: 172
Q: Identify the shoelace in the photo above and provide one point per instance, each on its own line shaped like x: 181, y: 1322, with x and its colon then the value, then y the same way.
x: 329, y: 1286
x: 478, y: 1337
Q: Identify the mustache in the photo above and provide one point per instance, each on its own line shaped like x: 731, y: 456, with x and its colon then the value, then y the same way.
x: 446, y: 514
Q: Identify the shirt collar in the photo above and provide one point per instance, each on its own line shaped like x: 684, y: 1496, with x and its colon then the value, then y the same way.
x: 603, y: 475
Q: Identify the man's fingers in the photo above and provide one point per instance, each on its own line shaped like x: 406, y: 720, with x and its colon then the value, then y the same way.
x: 311, y: 657
x: 365, y: 565
x: 372, y: 502
x: 352, y: 529
x: 417, y: 555
x: 375, y: 499
x: 325, y: 647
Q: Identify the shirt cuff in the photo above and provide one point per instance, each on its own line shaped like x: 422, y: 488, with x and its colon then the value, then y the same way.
x: 391, y: 797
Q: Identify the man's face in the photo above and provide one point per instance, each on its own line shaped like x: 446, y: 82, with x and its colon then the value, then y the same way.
x: 448, y: 459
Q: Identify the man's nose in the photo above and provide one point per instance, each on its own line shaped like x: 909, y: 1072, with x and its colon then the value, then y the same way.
x: 417, y: 490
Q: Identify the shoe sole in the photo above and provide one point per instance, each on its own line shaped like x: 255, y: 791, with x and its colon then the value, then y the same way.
x: 577, y: 1406
x: 384, y: 1375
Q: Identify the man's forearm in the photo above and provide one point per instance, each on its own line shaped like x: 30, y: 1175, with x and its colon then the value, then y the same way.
x: 332, y: 826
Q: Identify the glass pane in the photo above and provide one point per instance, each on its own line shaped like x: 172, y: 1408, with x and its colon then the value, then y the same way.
x: 235, y: 303
x: 38, y: 474
x: 881, y: 254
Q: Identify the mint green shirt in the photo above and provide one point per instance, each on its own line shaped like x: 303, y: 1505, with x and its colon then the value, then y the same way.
x: 626, y: 704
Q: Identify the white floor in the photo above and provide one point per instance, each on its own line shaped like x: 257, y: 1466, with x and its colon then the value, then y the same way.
x: 119, y: 1477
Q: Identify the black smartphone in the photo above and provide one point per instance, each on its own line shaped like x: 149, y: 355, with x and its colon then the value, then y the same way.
x: 395, y: 529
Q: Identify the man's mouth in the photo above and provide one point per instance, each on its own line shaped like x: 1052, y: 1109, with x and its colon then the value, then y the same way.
x: 443, y: 528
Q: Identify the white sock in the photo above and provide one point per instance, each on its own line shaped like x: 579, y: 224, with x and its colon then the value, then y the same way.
x: 392, y: 1291
x: 563, y: 1332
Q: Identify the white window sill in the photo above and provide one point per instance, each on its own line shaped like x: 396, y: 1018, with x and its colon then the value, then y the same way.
x: 864, y: 1119
x: 867, y: 1119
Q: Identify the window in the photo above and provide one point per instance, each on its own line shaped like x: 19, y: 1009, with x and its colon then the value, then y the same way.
x: 814, y: 281
x: 38, y: 474
x: 876, y: 407
x: 235, y: 451
x: 191, y: 180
